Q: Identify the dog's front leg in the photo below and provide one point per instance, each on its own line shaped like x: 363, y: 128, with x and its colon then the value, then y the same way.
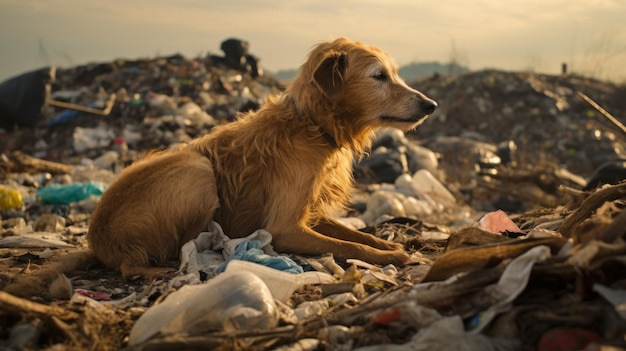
x: 333, y: 228
x: 306, y: 241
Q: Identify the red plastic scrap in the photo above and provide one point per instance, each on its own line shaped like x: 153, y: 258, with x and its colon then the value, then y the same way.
x: 566, y: 339
x: 98, y: 296
x: 497, y: 222
x: 388, y: 317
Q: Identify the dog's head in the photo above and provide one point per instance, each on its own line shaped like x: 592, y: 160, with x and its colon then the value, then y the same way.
x: 360, y: 84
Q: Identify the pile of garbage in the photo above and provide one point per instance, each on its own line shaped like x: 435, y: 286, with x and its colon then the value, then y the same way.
x: 129, y: 104
x: 516, y: 242
x: 548, y: 118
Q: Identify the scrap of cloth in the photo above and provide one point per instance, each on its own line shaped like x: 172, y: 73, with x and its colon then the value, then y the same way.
x: 211, y: 251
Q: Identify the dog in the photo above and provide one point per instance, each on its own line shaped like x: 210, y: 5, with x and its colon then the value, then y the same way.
x: 286, y: 168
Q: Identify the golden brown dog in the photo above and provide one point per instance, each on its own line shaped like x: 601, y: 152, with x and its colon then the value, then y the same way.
x: 286, y: 168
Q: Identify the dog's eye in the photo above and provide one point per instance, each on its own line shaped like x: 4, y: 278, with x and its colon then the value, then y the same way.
x: 381, y: 76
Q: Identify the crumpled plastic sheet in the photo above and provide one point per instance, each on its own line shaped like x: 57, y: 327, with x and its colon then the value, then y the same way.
x: 211, y: 251
x: 231, y: 301
x: 512, y: 282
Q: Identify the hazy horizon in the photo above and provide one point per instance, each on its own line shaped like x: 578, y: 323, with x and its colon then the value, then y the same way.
x: 589, y: 36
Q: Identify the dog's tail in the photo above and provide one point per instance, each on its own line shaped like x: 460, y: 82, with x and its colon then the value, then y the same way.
x: 40, y: 282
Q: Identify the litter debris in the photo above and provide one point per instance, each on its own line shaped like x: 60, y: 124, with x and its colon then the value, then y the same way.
x: 10, y: 199
x: 497, y: 222
x: 509, y: 201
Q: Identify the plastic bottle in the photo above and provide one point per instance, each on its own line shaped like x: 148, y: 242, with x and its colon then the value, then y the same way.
x: 425, y: 186
x: 383, y: 202
x: 84, y: 139
x: 106, y: 160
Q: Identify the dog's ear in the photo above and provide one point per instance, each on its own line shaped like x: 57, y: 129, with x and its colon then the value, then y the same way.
x: 329, y: 74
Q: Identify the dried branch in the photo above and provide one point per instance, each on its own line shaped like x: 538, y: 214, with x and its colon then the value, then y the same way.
x: 591, y: 203
x: 602, y: 111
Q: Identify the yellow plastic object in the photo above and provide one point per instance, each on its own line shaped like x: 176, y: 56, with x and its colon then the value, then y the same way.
x: 9, y: 199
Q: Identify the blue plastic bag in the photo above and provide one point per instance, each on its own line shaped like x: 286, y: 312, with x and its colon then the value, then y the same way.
x: 251, y: 251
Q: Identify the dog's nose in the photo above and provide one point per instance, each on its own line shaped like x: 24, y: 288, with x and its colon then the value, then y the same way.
x: 428, y: 106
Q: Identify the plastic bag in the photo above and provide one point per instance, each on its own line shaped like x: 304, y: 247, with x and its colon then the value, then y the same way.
x: 281, y: 284
x: 65, y: 194
x: 235, y: 300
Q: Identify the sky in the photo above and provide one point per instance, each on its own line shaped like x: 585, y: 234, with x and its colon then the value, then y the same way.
x: 518, y: 35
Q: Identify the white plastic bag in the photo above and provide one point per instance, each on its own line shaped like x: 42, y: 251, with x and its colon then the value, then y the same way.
x: 235, y: 300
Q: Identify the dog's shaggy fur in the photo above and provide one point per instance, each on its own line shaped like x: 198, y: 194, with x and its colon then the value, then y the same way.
x: 286, y: 168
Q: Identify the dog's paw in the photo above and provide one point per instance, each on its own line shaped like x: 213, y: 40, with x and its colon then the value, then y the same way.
x: 399, y: 258
x: 390, y: 246
x: 386, y: 245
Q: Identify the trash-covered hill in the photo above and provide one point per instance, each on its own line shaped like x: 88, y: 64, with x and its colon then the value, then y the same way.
x: 153, y: 103
x: 515, y: 243
x: 158, y: 102
x: 543, y: 115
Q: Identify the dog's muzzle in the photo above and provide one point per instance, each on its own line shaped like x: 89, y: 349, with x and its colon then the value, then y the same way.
x: 428, y: 106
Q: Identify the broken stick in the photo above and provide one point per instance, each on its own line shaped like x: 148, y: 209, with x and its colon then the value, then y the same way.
x: 606, y: 114
x: 18, y: 161
x: 107, y: 109
x: 18, y: 306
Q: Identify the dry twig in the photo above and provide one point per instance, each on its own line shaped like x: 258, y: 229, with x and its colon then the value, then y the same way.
x: 602, y: 111
x: 591, y: 203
